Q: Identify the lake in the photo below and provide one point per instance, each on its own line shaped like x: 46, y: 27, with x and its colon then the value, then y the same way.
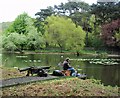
x: 108, y: 74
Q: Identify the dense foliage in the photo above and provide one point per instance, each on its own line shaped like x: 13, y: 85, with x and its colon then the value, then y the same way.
x: 106, y: 12
x: 70, y: 26
x: 111, y: 33
x: 107, y: 16
x: 62, y: 32
x: 22, y: 34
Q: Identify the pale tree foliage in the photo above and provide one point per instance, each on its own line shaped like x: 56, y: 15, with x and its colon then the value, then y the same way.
x: 14, y: 41
x: 34, y: 38
x: 63, y: 33
x: 22, y: 35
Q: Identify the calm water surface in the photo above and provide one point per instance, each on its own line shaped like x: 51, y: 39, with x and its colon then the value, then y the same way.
x: 107, y: 74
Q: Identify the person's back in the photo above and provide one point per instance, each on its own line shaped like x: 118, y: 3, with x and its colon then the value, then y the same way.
x: 66, y: 65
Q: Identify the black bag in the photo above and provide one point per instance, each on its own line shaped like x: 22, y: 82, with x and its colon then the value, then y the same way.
x: 57, y: 73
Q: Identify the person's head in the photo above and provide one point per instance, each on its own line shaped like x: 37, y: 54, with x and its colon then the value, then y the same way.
x: 67, y: 59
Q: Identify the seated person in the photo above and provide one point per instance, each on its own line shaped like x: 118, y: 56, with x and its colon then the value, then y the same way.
x: 66, y: 66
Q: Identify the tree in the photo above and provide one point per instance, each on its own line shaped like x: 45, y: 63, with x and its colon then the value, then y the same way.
x: 74, y: 9
x: 41, y: 16
x: 19, y: 25
x: 14, y: 41
x: 106, y: 12
x: 62, y: 32
x: 22, y: 34
x: 35, y: 40
x: 78, y: 11
x: 110, y: 33
x: 71, y: 7
x: 107, y: 16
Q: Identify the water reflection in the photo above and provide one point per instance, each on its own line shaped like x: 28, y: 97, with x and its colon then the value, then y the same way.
x: 107, y: 74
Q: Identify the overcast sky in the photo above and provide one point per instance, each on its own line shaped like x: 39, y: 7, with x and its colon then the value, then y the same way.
x: 10, y: 9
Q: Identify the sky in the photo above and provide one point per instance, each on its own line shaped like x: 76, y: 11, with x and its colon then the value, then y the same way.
x: 10, y: 9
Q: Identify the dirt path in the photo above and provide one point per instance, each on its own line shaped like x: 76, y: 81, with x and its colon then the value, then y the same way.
x: 23, y: 80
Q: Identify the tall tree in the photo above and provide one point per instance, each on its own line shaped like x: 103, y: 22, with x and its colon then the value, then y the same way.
x: 78, y: 11
x: 14, y: 41
x: 110, y: 33
x: 19, y: 25
x: 22, y: 34
x: 41, y: 16
x: 71, y: 7
x: 106, y: 12
x: 62, y: 32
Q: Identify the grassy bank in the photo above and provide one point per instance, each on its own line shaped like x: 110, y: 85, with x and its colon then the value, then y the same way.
x: 69, y: 86
x: 62, y: 87
x: 10, y: 73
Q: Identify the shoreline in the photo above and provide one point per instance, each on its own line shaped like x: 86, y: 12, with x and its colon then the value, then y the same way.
x: 63, y: 53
